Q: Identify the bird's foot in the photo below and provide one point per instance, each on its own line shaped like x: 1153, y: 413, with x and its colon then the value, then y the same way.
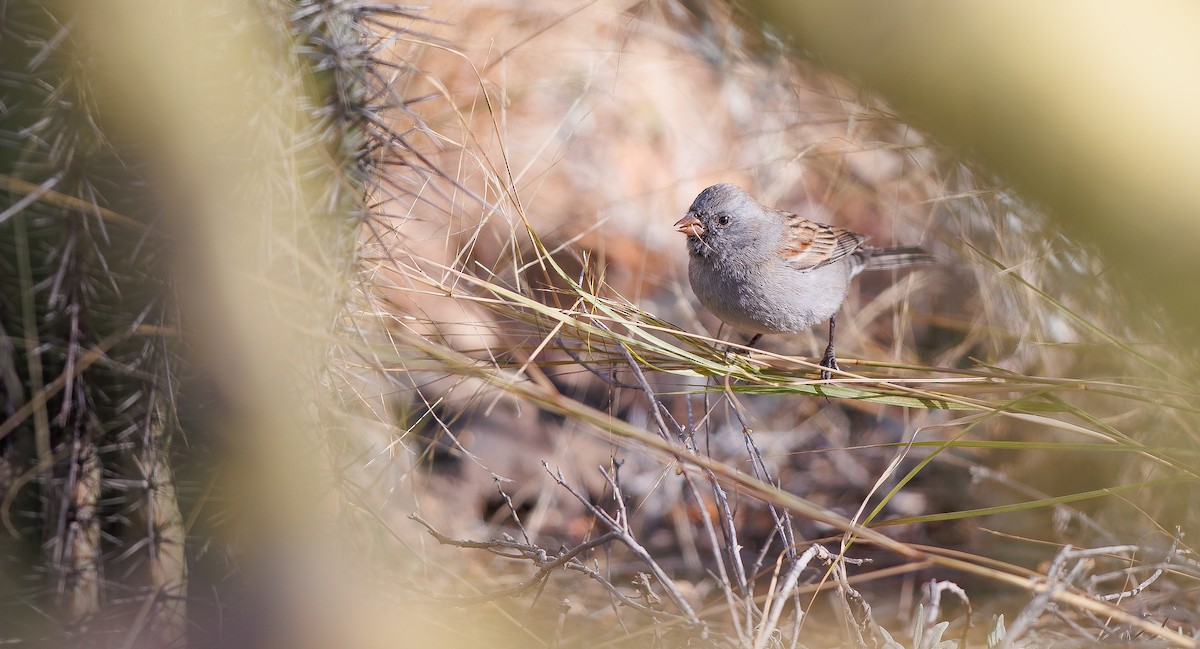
x: 828, y: 362
x: 731, y: 350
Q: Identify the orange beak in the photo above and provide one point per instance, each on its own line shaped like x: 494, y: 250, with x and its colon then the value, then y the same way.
x: 689, y: 225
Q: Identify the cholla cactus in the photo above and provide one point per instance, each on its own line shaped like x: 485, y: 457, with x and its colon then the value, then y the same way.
x: 102, y: 421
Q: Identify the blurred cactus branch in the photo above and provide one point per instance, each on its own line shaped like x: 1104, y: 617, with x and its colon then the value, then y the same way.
x: 181, y: 190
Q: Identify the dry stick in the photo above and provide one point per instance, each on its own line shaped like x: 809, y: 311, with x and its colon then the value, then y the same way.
x: 1045, y: 598
x: 1086, y: 562
x: 779, y: 596
x: 797, y: 620
x: 689, y: 441
x: 850, y: 596
x: 783, y: 521
x: 760, y: 559
x: 731, y: 547
x: 686, y: 534
x: 511, y: 508
x: 656, y: 405
x: 719, y: 560
x: 568, y: 560
x: 621, y: 598
x: 774, y: 594
x: 564, y: 607
x: 688, y: 438
x: 777, y: 593
x: 1079, y: 628
x: 935, y: 590
x: 1104, y: 625
x: 729, y: 530
x: 1136, y: 590
x: 863, y: 623
x: 620, y: 530
x: 610, y: 378
x: 624, y: 599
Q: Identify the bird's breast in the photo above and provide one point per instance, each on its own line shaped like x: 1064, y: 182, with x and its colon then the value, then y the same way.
x: 769, y: 299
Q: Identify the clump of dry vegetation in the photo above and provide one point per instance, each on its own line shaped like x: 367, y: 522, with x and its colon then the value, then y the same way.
x: 578, y: 135
x: 430, y: 373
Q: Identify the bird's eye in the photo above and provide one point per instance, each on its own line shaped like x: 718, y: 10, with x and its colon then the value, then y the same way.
x: 723, y: 219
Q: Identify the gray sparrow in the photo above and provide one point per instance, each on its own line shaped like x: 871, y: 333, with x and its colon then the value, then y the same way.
x: 764, y: 270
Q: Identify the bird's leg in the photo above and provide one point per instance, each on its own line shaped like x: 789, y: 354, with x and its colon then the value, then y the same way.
x: 828, y: 360
x: 749, y: 343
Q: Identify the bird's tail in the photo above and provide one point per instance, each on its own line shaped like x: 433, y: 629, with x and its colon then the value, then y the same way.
x: 891, y: 258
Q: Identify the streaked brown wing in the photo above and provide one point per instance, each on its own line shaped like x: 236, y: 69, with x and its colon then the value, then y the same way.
x: 808, y: 244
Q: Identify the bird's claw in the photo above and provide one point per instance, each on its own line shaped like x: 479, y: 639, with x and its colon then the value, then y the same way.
x: 828, y: 362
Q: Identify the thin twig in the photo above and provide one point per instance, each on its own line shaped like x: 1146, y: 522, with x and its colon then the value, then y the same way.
x: 533, y: 553
x: 623, y: 534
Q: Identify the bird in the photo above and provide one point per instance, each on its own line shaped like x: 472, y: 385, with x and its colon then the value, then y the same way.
x: 769, y: 271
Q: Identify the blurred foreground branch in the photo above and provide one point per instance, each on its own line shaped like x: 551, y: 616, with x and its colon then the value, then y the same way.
x: 1089, y: 109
